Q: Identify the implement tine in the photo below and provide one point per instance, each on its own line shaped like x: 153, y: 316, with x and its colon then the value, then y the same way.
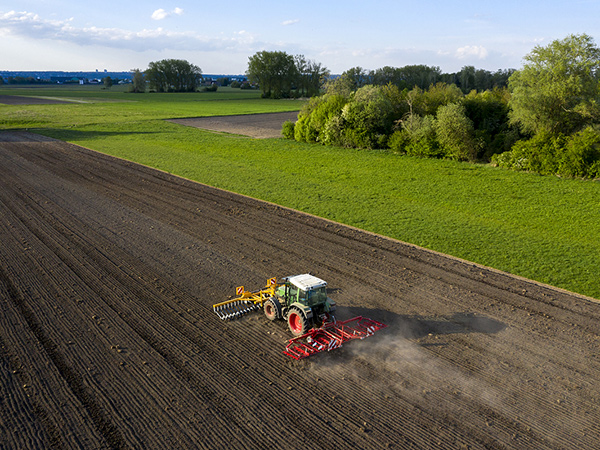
x: 246, y: 302
x: 235, y: 309
x: 218, y: 311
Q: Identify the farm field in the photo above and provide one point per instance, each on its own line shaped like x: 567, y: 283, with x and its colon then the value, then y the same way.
x: 108, y: 270
x: 542, y: 228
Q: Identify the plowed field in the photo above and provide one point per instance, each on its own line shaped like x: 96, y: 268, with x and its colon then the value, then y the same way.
x: 108, y: 271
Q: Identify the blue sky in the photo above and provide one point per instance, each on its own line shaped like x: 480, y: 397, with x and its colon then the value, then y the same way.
x: 220, y: 36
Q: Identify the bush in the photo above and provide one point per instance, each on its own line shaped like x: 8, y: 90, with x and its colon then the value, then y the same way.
x: 358, y: 138
x: 288, y: 129
x: 538, y: 154
x: 235, y: 84
x: 428, y: 102
x: 369, y: 116
x: 581, y: 155
x: 333, y: 133
x: 417, y: 137
x: 314, y: 117
x: 455, y: 133
x: 398, y: 141
x: 577, y: 155
x: 488, y: 111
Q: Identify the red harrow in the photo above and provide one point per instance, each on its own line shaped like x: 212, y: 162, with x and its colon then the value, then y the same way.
x: 331, y: 336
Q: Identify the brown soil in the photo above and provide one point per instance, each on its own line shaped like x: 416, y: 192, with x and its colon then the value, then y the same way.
x: 260, y: 126
x: 108, y: 271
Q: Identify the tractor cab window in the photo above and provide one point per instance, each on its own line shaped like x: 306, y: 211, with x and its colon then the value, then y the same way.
x: 293, y: 293
x: 316, y: 296
x: 302, y: 296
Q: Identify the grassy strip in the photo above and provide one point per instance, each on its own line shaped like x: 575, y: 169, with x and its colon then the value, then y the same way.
x: 543, y: 228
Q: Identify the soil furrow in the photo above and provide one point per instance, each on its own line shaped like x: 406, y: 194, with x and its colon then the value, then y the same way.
x: 125, y: 263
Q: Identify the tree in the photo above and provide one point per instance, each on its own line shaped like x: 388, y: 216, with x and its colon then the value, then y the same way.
x: 311, y: 76
x: 558, y: 89
x: 281, y: 75
x: 108, y: 82
x: 356, y: 78
x: 173, y: 75
x: 138, y: 82
x: 386, y: 75
x: 348, y: 82
x: 419, y: 75
x: 275, y: 72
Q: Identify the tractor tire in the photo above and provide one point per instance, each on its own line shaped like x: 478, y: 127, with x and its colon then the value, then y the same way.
x: 297, y: 322
x: 272, y: 309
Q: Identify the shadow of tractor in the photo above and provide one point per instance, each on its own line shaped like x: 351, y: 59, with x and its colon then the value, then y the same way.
x: 417, y: 326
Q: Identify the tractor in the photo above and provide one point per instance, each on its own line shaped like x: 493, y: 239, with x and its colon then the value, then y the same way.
x: 303, y: 302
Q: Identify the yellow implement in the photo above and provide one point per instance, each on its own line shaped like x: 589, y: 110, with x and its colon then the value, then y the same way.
x: 245, y: 302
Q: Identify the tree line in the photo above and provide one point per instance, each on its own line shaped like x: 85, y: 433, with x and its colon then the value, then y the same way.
x: 469, y: 78
x: 543, y: 118
x: 277, y: 74
x: 281, y: 75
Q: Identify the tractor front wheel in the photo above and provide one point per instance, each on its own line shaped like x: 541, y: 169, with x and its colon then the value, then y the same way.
x: 298, y: 322
x: 272, y: 310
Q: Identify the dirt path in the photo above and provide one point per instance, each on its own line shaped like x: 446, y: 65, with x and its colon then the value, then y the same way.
x: 108, y: 271
x: 260, y: 126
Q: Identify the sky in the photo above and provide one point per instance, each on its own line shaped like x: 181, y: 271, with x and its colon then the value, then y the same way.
x: 219, y: 37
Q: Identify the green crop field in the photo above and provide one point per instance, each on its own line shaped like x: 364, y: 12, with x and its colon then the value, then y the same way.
x: 543, y: 228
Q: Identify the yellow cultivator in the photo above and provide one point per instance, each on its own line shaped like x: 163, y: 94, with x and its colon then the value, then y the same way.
x: 245, y: 302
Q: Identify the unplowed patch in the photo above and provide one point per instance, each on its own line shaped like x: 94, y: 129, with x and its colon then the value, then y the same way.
x: 108, y: 271
x: 260, y: 126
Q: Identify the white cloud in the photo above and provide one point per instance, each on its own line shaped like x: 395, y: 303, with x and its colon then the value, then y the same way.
x: 31, y: 26
x: 468, y: 51
x: 161, y: 14
x: 290, y: 22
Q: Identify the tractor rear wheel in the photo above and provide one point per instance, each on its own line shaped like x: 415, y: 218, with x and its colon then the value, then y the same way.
x: 272, y: 309
x: 297, y: 322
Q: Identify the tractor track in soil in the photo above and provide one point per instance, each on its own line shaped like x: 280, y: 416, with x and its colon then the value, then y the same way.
x: 108, y: 271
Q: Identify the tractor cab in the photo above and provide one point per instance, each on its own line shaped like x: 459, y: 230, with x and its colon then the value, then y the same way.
x: 305, y: 289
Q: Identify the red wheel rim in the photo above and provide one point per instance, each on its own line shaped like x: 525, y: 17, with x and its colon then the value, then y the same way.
x: 295, y: 322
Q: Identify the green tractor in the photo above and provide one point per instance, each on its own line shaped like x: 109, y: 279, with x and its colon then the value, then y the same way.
x: 301, y: 300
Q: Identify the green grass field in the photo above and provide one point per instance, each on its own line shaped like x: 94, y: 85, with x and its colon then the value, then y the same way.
x: 543, y: 228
